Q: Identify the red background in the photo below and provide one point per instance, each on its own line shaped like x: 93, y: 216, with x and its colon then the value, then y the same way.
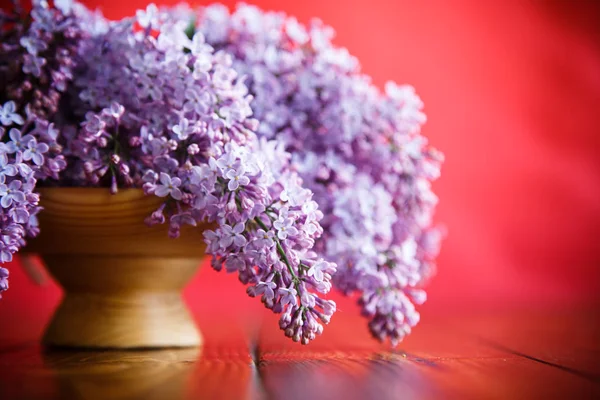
x: 512, y: 93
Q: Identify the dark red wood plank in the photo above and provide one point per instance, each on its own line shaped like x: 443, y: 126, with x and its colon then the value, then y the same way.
x: 567, y: 338
x: 388, y: 377
x: 506, y: 378
x: 448, y: 356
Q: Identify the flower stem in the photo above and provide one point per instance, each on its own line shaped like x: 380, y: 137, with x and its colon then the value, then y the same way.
x: 279, y: 249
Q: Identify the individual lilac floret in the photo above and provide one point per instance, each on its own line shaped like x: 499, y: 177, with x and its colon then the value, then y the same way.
x: 9, y: 116
x: 35, y: 152
x: 358, y: 150
x: 168, y: 187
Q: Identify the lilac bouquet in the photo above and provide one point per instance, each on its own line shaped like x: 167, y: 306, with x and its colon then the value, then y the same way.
x: 249, y: 121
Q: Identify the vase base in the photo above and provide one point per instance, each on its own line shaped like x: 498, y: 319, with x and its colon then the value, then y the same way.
x: 135, y: 320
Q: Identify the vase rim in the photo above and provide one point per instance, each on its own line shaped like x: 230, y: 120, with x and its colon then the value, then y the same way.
x: 86, y: 188
x: 94, y: 196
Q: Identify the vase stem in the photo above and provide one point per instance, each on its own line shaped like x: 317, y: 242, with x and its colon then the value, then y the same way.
x: 138, y: 304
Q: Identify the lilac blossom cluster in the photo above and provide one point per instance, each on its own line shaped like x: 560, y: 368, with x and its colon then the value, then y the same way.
x: 250, y: 121
x: 147, y: 103
x: 36, y: 54
x: 359, y: 150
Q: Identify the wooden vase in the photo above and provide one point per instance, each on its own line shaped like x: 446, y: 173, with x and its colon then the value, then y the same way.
x: 122, y: 280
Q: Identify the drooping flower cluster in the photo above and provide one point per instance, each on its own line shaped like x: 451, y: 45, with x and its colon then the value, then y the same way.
x: 35, y: 68
x: 359, y: 150
x: 149, y: 104
x: 250, y: 121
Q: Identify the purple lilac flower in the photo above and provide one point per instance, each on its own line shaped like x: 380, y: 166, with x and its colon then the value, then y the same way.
x: 11, y: 193
x: 236, y: 178
x: 17, y: 142
x: 149, y: 17
x: 284, y: 226
x: 232, y: 235
x: 8, y: 114
x: 264, y: 238
x: 168, y: 186
x: 35, y: 152
x: 6, y: 168
x: 359, y: 150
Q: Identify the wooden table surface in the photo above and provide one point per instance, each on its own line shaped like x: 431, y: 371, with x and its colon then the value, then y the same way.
x: 541, y: 354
